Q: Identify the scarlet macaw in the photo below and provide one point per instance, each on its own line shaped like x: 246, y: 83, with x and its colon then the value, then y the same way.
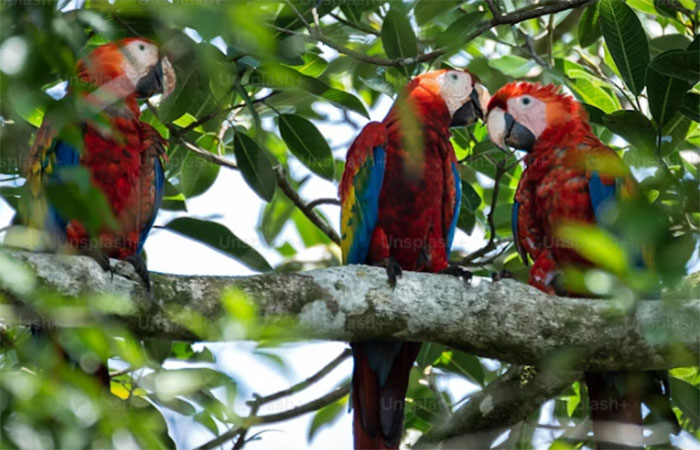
x: 571, y: 177
x: 123, y: 159
x: 400, y: 195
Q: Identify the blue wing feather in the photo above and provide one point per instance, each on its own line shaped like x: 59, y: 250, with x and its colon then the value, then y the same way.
x: 159, y: 185
x: 65, y: 156
x: 602, y: 196
x: 365, y: 212
x: 458, y: 205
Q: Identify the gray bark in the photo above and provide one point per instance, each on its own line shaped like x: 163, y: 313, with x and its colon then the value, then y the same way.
x: 506, y: 320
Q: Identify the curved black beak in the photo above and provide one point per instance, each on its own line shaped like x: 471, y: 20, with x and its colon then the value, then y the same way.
x: 469, y: 112
x: 152, y: 83
x: 517, y: 136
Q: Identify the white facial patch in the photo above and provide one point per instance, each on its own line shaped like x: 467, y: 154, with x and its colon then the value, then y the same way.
x: 168, y: 77
x: 139, y: 59
x: 529, y: 112
x: 484, y: 96
x: 455, y: 88
x: 496, y: 126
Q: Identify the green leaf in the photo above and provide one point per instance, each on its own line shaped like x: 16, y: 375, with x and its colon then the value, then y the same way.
x: 588, y: 87
x: 429, y: 354
x: 467, y: 212
x: 463, y: 363
x: 589, y: 26
x: 665, y: 92
x: 197, y: 175
x: 398, y: 38
x: 626, y: 41
x: 664, y: 9
x: 283, y: 77
x: 425, y: 10
x: 661, y: 44
x: 687, y: 398
x: 682, y: 64
x: 595, y: 245
x: 346, y: 99
x: 254, y: 166
x: 691, y: 106
x: 674, y: 133
x: 634, y: 127
x: 454, y: 35
x: 325, y: 417
x: 275, y: 216
x: 470, y: 198
x: 313, y: 65
x: 219, y: 238
x: 513, y: 66
x: 307, y: 144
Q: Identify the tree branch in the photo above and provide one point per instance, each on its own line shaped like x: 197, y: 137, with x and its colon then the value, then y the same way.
x: 507, y: 320
x: 502, y: 403
x: 294, y: 196
x: 526, y: 13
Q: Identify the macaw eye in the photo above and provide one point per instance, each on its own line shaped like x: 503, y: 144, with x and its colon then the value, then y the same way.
x: 526, y: 101
x: 454, y: 76
x: 142, y: 47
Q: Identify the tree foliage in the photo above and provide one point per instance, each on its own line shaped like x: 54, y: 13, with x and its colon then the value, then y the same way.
x: 257, y: 84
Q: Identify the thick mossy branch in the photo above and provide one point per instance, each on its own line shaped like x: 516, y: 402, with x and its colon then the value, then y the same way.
x: 507, y: 320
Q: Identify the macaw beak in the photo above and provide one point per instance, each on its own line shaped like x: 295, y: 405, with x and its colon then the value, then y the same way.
x: 159, y: 80
x: 504, y: 131
x: 473, y: 109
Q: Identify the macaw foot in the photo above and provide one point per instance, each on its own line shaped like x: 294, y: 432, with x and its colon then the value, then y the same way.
x: 393, y: 270
x: 140, y: 268
x: 458, y: 272
x: 557, y: 284
x: 100, y: 258
x: 501, y: 275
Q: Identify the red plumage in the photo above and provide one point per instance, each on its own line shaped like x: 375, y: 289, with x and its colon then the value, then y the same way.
x: 123, y: 166
x: 416, y: 206
x: 555, y: 189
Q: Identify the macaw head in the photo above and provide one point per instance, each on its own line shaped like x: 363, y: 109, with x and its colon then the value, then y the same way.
x: 462, y: 93
x: 521, y: 115
x: 127, y: 69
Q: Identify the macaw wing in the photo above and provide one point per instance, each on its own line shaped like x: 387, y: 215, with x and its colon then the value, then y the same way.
x: 152, y: 171
x: 608, y: 182
x: 359, y: 192
x: 47, y: 156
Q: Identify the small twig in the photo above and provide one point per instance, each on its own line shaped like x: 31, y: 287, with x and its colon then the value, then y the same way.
x: 292, y: 194
x: 493, y: 7
x: 550, y: 40
x: 325, y: 370
x: 323, y: 201
x: 122, y: 372
x: 357, y: 26
x: 211, y: 157
x: 313, y: 405
x: 250, y: 422
x: 430, y: 377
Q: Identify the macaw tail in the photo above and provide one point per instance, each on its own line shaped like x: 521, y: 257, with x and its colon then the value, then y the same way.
x: 379, y: 383
x: 616, y: 408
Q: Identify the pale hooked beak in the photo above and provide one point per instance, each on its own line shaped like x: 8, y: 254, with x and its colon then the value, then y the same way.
x: 505, y: 132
